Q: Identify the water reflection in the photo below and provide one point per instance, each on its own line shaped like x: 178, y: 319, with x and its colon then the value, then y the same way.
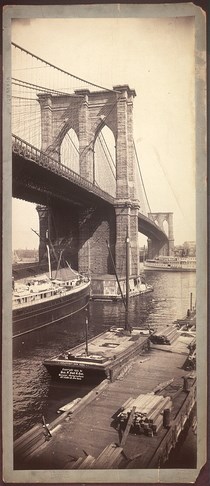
x: 34, y: 392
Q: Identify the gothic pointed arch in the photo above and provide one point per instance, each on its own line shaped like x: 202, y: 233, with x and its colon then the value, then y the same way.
x: 166, y: 226
x: 69, y: 150
x: 105, y: 157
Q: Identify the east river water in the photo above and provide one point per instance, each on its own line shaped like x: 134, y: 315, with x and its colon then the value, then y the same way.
x: 34, y: 392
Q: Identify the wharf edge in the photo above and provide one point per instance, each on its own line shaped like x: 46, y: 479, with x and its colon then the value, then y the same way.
x: 72, y: 433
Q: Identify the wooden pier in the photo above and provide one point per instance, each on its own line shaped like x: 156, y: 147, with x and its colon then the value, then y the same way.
x: 88, y: 435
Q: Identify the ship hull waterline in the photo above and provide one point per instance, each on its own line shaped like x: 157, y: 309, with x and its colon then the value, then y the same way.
x: 169, y: 269
x: 43, y: 314
x: 118, y: 298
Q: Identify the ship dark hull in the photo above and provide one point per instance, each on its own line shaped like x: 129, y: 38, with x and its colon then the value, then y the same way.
x: 37, y: 316
x: 76, y: 374
x: 117, y: 348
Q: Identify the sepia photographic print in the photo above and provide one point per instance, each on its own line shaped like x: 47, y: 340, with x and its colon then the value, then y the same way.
x: 104, y: 243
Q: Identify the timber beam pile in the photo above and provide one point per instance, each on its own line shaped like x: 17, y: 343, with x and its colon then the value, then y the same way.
x: 27, y: 444
x: 111, y: 456
x: 190, y: 363
x: 188, y: 322
x: 165, y: 336
x: 152, y: 412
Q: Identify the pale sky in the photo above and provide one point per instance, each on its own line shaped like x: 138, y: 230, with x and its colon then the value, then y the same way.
x: 156, y: 58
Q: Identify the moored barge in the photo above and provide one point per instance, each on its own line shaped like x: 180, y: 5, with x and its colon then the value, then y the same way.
x: 101, y: 356
x: 89, y: 434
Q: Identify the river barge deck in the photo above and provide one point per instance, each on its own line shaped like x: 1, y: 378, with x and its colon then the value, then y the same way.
x: 103, y: 356
x: 88, y: 435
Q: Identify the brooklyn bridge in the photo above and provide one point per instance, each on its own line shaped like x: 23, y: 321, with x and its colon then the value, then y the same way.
x: 73, y: 154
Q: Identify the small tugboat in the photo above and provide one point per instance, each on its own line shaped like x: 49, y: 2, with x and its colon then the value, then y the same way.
x: 106, y: 287
x: 43, y: 300
x: 171, y: 264
x: 115, y: 288
x: 105, y: 354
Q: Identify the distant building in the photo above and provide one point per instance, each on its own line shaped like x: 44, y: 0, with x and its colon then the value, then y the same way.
x: 25, y: 256
x: 188, y: 248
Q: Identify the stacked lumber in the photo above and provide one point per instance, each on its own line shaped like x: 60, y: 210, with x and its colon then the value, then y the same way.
x: 191, y: 361
x: 109, y: 457
x: 25, y: 445
x: 187, y: 322
x: 192, y: 345
x: 84, y: 463
x: 165, y: 336
x: 148, y: 414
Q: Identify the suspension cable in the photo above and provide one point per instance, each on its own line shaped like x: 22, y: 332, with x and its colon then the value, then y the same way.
x: 25, y: 84
x: 72, y: 143
x: 101, y: 133
x: 141, y: 177
x: 106, y: 156
x: 62, y: 70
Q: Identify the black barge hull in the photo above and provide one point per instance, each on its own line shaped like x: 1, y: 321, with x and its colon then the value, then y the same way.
x: 95, y: 368
x: 76, y: 374
x: 38, y: 316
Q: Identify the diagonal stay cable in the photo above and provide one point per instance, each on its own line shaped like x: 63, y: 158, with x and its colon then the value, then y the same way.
x: 110, y: 155
x: 99, y: 138
x: 72, y: 143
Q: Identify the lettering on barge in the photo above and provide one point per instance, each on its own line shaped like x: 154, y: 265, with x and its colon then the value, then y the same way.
x: 71, y: 374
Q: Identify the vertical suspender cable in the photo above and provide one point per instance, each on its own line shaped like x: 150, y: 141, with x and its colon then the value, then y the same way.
x: 141, y: 178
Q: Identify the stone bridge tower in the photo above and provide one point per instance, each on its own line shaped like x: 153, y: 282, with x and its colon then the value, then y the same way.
x: 87, y: 113
x: 168, y: 248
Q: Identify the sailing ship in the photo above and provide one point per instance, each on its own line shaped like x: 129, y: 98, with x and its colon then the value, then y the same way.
x: 171, y: 264
x: 105, y: 354
x: 45, y: 300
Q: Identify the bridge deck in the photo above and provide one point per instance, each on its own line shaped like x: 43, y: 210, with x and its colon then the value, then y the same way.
x: 51, y: 178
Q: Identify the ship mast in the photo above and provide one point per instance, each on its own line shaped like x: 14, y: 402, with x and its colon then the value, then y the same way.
x: 115, y: 271
x: 49, y: 261
x: 125, y: 299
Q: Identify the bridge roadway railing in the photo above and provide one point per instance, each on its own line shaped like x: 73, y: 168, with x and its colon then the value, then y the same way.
x: 153, y: 223
x: 29, y: 152
x: 153, y: 230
